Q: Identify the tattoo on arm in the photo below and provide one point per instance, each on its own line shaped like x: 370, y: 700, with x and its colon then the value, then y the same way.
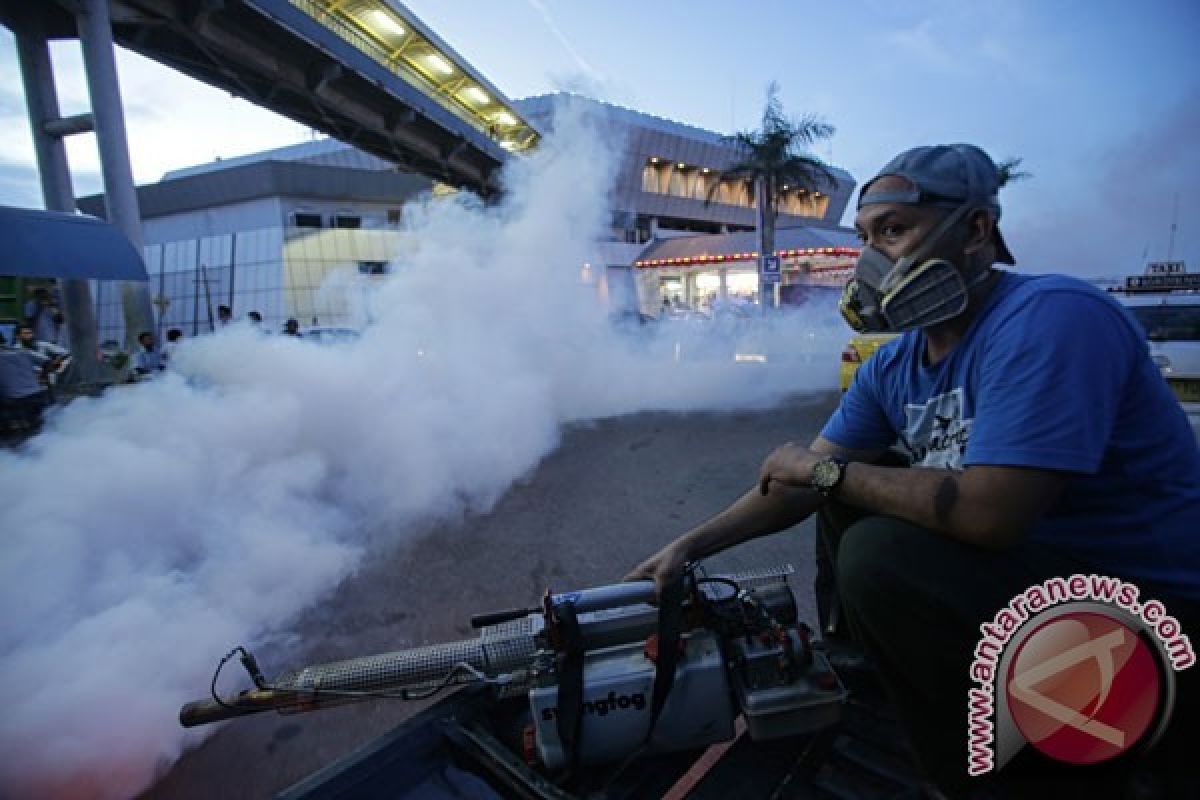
x: 946, y: 499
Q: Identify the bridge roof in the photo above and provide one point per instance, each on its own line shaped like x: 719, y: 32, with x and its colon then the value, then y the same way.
x: 367, y: 72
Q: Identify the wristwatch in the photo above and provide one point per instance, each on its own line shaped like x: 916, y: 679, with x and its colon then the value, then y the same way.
x: 827, y: 475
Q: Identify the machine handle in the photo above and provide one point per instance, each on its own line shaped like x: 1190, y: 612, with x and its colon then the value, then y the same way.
x: 203, y: 712
x: 497, y: 617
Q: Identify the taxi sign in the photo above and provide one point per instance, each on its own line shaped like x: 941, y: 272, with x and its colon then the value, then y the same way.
x: 1165, y: 268
x: 1162, y: 282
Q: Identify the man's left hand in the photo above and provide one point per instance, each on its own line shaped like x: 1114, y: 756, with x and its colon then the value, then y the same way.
x: 790, y: 464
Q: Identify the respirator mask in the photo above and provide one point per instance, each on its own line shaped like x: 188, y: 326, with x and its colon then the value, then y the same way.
x: 912, y: 292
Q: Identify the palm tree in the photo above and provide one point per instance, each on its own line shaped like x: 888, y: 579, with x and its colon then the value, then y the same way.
x: 1009, y: 170
x: 775, y: 159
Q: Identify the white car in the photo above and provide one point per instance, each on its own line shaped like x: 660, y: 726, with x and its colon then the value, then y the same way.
x: 325, y: 334
x: 1172, y: 324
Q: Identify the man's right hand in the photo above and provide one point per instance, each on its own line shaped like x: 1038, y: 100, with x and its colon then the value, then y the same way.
x: 663, y: 567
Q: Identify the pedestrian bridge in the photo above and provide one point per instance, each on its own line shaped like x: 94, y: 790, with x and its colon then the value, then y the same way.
x: 367, y: 72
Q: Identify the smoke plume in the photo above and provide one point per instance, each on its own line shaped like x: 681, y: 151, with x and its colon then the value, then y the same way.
x: 148, y: 530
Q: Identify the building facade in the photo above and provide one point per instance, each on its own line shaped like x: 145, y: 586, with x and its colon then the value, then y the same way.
x: 682, y: 235
x: 289, y: 233
x: 297, y: 231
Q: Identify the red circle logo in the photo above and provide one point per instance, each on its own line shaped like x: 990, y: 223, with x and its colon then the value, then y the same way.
x: 1083, y: 687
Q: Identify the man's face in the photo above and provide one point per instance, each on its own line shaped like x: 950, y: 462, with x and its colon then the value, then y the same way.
x: 898, y: 229
x: 25, y: 336
x: 147, y: 341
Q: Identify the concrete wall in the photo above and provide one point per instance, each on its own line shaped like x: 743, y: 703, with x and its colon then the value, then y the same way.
x: 252, y: 215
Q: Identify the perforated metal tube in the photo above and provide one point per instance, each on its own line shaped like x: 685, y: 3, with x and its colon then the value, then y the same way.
x: 497, y: 650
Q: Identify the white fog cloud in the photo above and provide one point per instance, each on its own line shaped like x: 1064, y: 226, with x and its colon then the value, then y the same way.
x: 149, y: 530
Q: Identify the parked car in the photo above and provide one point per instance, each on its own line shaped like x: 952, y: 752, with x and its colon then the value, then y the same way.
x: 860, y: 347
x: 324, y: 334
x: 1172, y: 324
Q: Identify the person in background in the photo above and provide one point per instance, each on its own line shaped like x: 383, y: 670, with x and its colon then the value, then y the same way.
x: 23, y: 397
x: 255, y: 318
x: 42, y: 313
x: 224, y: 315
x: 49, y: 359
x: 148, y: 360
x: 291, y: 327
x: 174, y: 337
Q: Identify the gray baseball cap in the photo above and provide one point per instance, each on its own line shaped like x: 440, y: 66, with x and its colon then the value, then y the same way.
x: 946, y: 175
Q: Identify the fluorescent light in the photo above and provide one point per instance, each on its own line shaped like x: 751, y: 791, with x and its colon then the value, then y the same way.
x: 386, y: 21
x: 681, y: 165
x: 706, y: 170
x: 439, y: 64
x: 655, y: 160
x: 476, y: 95
x: 505, y: 118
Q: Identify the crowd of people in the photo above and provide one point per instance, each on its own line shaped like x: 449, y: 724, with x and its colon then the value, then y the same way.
x: 151, y: 359
x: 37, y: 357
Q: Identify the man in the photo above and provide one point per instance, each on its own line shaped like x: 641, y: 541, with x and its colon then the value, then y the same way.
x: 49, y: 359
x: 174, y: 337
x: 224, y: 315
x: 148, y: 360
x: 1042, y: 438
x: 23, y: 397
x: 291, y: 327
x: 42, y: 313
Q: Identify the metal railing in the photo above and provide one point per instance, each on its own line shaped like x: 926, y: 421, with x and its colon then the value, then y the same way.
x: 360, y: 41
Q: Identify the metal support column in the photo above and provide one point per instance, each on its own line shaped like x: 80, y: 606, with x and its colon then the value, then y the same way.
x: 41, y: 99
x: 120, y: 197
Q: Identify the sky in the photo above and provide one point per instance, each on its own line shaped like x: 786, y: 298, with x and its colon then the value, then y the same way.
x: 1100, y: 99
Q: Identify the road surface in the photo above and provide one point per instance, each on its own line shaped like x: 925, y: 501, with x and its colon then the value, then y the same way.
x: 612, y: 493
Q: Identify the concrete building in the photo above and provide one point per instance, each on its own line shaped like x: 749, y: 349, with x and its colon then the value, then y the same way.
x: 666, y: 169
x: 268, y: 231
x: 265, y: 233
x: 669, y: 186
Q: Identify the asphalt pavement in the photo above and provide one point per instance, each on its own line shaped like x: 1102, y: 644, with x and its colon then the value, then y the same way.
x: 612, y: 493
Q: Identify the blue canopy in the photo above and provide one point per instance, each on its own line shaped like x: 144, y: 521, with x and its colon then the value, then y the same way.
x: 51, y: 244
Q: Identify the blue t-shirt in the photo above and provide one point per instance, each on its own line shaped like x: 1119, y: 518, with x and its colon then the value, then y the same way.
x: 1052, y: 374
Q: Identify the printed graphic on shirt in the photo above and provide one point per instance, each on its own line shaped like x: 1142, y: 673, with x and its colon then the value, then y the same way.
x: 935, y: 434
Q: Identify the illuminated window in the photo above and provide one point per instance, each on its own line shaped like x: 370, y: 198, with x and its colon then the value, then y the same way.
x: 650, y: 182
x: 678, y: 183
x: 821, y: 206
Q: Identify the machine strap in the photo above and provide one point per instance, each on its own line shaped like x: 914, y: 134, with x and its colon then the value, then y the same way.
x: 670, y: 627
x: 570, y: 684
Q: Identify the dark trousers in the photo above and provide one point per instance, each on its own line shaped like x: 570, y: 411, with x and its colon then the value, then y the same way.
x: 914, y: 600
x: 25, y: 411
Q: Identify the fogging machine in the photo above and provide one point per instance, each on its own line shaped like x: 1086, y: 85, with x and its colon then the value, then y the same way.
x: 607, y: 674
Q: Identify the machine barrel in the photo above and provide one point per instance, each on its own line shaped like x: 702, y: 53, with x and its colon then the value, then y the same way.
x: 610, y: 615
x: 498, y: 650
